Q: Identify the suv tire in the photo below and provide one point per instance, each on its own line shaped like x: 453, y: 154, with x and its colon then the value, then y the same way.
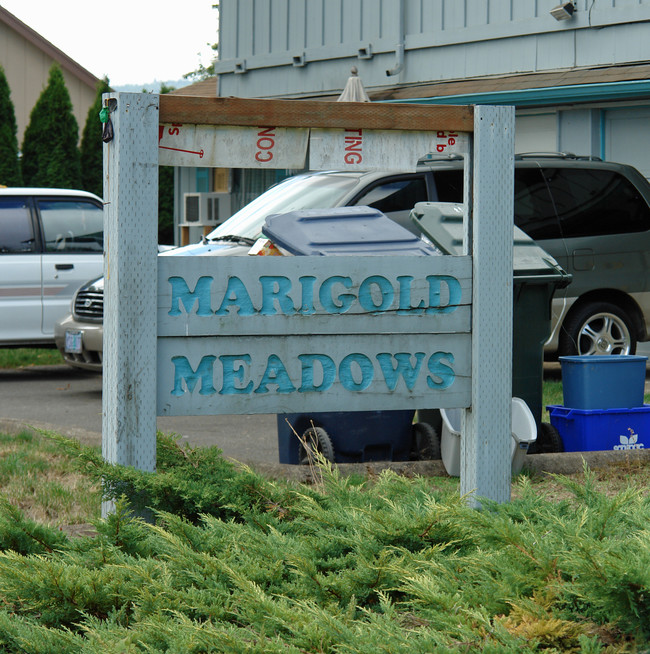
x: 597, y: 328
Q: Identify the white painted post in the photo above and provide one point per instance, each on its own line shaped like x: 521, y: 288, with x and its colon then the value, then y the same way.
x: 485, y: 447
x: 131, y: 237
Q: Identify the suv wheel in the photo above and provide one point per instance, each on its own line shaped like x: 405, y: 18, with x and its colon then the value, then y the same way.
x: 597, y: 328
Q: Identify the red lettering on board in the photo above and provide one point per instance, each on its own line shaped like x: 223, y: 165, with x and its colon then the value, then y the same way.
x: 265, y: 144
x: 353, y: 146
x: 450, y: 137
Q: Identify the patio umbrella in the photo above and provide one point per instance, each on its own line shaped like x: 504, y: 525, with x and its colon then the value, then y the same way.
x: 353, y: 91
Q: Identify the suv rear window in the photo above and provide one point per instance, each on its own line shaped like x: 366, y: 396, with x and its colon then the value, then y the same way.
x: 596, y: 202
x: 534, y: 212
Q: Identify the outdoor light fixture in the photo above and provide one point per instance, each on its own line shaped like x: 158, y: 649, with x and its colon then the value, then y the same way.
x: 563, y: 11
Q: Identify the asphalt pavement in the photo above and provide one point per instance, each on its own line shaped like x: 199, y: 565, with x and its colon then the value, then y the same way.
x: 69, y: 402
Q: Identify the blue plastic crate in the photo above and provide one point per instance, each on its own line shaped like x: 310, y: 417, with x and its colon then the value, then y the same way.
x: 603, y: 382
x: 584, y: 430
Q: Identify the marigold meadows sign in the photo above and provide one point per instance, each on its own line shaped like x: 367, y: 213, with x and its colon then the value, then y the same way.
x: 334, y: 334
x: 275, y: 334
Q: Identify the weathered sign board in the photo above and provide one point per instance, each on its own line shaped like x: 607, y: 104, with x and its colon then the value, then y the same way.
x: 287, y: 334
x: 283, y: 147
x: 191, y: 335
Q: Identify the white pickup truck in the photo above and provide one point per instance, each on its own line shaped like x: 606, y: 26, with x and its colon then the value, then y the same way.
x: 51, y: 242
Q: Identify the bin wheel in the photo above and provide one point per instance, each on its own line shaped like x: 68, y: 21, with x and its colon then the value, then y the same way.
x: 315, y: 439
x: 598, y: 328
x: 425, y: 442
x: 548, y: 440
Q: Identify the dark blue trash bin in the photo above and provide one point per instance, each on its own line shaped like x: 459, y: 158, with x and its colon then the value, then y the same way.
x: 350, y: 436
x: 356, y: 436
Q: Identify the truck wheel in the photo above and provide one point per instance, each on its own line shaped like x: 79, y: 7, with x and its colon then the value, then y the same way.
x: 315, y: 439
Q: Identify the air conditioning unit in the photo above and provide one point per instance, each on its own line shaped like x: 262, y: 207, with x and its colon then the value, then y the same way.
x: 205, y: 209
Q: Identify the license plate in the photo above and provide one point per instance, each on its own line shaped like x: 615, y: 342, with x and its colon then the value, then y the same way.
x: 73, y: 342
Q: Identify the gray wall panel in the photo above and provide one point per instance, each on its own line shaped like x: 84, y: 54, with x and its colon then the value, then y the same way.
x: 616, y: 44
x: 555, y: 50
x: 295, y: 21
x: 332, y: 22
x: 268, y: 34
x: 262, y: 29
x: 245, y: 28
x: 477, y: 12
x: 628, y: 137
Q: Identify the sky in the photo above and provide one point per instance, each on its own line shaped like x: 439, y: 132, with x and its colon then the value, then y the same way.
x: 130, y: 41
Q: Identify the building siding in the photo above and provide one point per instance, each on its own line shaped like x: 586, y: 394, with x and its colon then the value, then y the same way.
x: 26, y: 59
x: 579, y: 85
x: 263, y: 42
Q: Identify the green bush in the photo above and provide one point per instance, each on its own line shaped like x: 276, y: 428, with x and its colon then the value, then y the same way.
x: 238, y: 563
x: 91, y: 150
x: 9, y: 163
x: 50, y: 153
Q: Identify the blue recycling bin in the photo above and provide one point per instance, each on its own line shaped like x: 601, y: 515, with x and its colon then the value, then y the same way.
x: 349, y: 436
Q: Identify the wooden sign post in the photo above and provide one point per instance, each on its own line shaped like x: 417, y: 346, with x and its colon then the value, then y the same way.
x: 201, y: 335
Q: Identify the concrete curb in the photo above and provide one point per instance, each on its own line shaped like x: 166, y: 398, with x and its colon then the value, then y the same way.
x: 564, y: 463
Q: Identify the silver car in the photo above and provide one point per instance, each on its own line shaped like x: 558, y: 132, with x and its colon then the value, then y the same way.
x: 51, y: 242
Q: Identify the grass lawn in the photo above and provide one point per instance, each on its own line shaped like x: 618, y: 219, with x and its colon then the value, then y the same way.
x: 38, y: 477
x: 24, y: 357
x: 41, y: 480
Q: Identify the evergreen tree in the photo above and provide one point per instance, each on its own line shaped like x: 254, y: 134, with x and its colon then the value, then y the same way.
x: 9, y: 166
x: 204, y: 72
x: 166, y: 195
x: 166, y: 205
x: 50, y: 153
x: 92, y: 150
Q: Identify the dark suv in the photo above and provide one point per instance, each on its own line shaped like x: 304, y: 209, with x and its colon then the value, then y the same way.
x: 592, y: 216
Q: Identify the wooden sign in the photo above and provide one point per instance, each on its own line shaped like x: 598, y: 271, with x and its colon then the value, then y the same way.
x: 282, y: 147
x: 286, y: 334
x: 232, y: 147
x: 359, y: 149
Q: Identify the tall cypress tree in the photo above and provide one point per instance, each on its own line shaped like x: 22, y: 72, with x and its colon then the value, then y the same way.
x: 92, y: 146
x: 9, y: 165
x: 166, y: 195
x: 50, y: 153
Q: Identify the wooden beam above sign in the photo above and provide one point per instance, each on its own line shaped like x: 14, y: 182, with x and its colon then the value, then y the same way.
x: 313, y: 113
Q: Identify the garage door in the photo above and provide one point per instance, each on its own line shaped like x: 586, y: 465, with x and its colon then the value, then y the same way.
x: 536, y: 133
x: 627, y: 137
